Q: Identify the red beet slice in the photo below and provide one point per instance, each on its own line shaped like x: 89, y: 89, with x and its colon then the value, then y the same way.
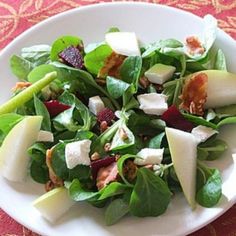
x: 106, y: 115
x: 55, y: 107
x: 72, y: 57
x: 175, y: 119
x: 96, y: 165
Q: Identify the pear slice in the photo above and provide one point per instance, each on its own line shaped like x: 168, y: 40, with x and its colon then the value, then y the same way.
x: 183, y: 150
x: 53, y: 204
x: 13, y: 152
x: 124, y: 43
x: 220, y: 88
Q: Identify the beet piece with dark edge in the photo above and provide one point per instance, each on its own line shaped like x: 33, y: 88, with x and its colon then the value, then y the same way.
x: 72, y: 56
x: 96, y: 165
x: 175, y: 119
x: 107, y: 115
x: 55, y: 107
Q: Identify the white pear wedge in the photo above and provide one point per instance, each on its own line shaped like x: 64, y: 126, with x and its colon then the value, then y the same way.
x: 13, y: 152
x: 124, y: 43
x: 220, y: 88
x: 53, y: 204
x: 183, y: 150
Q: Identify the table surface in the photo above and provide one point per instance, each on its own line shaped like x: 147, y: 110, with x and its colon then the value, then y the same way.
x: 18, y: 15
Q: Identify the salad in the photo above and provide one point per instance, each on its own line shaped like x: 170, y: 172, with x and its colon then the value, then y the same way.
x: 118, y: 124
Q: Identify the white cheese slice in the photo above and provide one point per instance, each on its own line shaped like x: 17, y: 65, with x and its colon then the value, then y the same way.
x: 153, y: 103
x: 202, y: 133
x: 124, y: 43
x: 77, y: 153
x: 96, y: 104
x: 45, y: 136
x: 160, y: 73
x: 149, y: 156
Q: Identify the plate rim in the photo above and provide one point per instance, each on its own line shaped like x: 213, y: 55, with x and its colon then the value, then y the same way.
x: 102, y: 5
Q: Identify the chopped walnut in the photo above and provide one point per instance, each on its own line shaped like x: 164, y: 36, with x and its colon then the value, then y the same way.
x: 49, y: 186
x: 123, y: 135
x: 194, y: 45
x: 107, y: 147
x: 21, y: 85
x: 103, y: 126
x: 194, y: 94
x: 101, y: 82
x: 57, y: 181
x: 130, y: 170
x: 95, y: 156
x: 107, y: 175
x: 159, y: 87
x: 144, y: 82
x: 112, y: 65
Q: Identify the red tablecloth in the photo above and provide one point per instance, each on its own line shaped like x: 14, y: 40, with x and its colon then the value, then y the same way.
x: 18, y: 15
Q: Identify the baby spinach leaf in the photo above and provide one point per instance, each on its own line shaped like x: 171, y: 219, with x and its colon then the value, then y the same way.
x: 8, y: 121
x: 105, y: 137
x: 95, y: 59
x: 20, y: 67
x: 39, y: 172
x: 116, y: 87
x: 209, y: 194
x: 38, y: 168
x: 37, y: 152
x: 87, y: 79
x: 59, y: 162
x: 70, y: 99
x: 151, y: 49
x: 85, y: 134
x: 130, y: 70
x: 41, y: 110
x: 62, y: 43
x: 40, y: 71
x: 150, y: 196
x: 65, y: 120
x: 199, y: 120
x: 37, y: 54
x: 120, y: 164
x: 171, y: 43
x: 113, y: 189
x: 79, y: 194
x: 113, y: 29
x: 123, y: 138
x: 115, y: 211
x: 155, y: 142
x: 211, y: 149
x: 79, y: 172
x: 226, y: 121
x: 220, y: 61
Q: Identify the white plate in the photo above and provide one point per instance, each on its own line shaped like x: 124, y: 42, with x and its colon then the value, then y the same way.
x: 150, y: 22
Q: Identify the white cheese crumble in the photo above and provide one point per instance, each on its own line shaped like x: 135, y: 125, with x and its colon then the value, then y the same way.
x: 77, y: 153
x: 149, y: 156
x: 153, y: 103
x: 202, y: 133
x: 96, y: 104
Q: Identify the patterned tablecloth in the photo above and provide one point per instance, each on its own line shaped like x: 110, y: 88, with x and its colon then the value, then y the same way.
x: 18, y: 15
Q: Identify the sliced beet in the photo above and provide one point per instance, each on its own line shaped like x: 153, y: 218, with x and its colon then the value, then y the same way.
x: 106, y: 115
x: 55, y: 107
x: 72, y: 56
x: 96, y: 165
x: 175, y: 119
